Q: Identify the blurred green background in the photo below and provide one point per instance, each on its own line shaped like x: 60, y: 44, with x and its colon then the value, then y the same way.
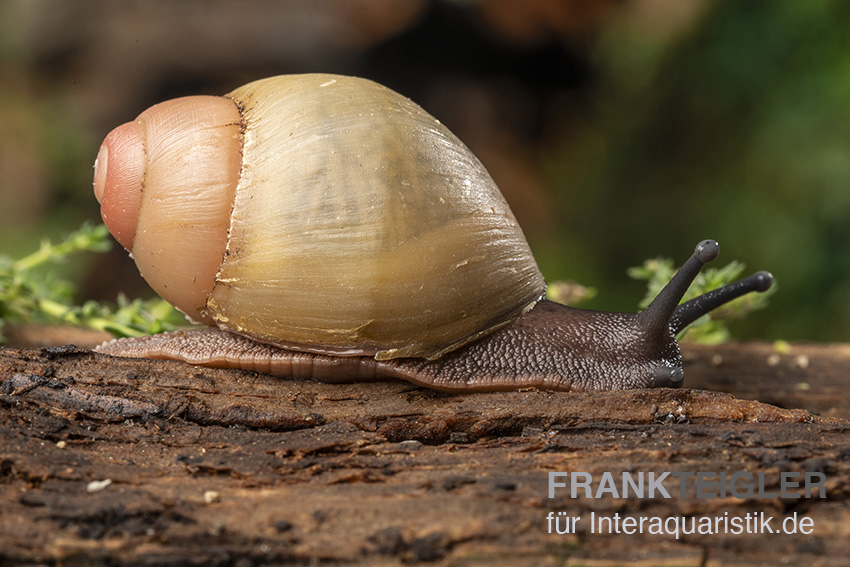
x: 618, y: 130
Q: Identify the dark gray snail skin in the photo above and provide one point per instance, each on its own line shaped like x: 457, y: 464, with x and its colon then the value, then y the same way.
x: 551, y: 347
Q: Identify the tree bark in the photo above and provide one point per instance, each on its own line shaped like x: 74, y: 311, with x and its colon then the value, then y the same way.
x: 107, y: 461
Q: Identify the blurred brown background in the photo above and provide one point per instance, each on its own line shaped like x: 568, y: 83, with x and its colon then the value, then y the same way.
x: 618, y: 130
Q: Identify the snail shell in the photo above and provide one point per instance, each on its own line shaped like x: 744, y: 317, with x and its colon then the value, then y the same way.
x: 317, y: 212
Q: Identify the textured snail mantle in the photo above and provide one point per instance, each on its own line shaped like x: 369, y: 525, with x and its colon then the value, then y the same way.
x: 327, y: 227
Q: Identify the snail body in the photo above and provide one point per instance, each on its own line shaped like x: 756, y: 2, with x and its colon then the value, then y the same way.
x: 327, y: 227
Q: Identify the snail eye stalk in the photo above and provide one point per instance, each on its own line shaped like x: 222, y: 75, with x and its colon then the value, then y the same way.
x: 665, y: 316
x: 690, y: 311
x: 655, y: 319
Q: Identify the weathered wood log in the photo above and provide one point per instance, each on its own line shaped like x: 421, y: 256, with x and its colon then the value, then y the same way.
x: 109, y: 461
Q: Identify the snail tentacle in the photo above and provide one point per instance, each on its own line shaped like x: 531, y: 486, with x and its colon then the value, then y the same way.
x: 656, y: 317
x: 691, y: 310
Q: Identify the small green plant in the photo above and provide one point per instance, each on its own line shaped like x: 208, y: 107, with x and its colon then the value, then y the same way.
x: 30, y: 293
x: 710, y: 328
x: 569, y: 293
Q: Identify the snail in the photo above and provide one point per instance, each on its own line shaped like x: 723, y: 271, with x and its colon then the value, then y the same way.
x: 327, y: 227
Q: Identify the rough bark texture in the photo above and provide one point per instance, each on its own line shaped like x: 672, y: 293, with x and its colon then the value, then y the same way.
x: 217, y: 467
